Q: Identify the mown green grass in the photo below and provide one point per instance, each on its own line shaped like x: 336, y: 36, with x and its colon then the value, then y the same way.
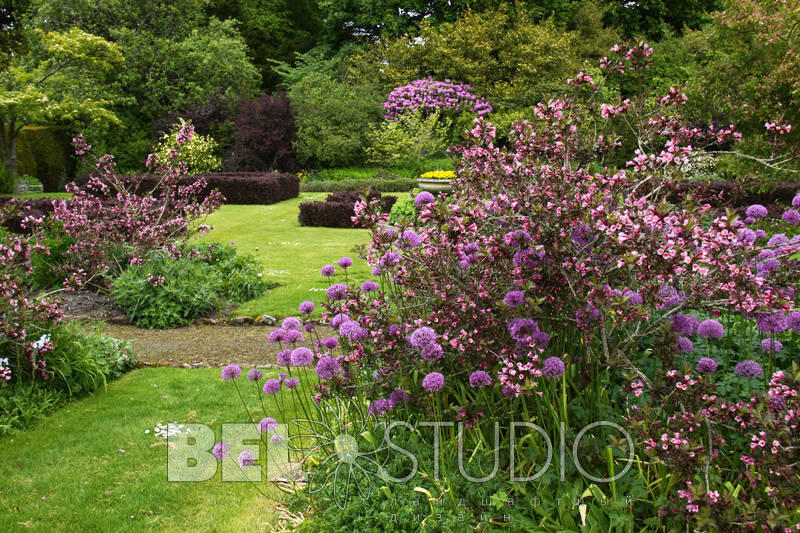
x: 69, y: 472
x: 291, y: 255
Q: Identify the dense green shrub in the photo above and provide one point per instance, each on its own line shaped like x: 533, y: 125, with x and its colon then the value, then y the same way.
x: 382, y: 185
x: 402, y: 142
x: 46, y: 272
x: 198, y: 153
x: 404, y: 208
x: 333, y: 119
x: 166, y: 292
x: 7, y: 181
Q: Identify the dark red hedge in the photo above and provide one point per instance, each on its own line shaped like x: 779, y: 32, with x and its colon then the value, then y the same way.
x: 337, y: 209
x: 33, y: 207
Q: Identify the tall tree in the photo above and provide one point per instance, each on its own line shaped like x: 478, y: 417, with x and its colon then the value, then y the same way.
x: 63, y: 78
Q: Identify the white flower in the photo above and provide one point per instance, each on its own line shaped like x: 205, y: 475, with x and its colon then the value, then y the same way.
x: 38, y: 345
x: 170, y: 429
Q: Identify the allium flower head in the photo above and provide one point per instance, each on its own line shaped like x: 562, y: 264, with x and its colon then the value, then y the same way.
x: 791, y: 216
x: 307, y: 307
x: 221, y: 451
x: 706, y: 366
x: 793, y: 321
x: 684, y: 345
x: 422, y: 337
x: 302, y: 356
x: 291, y: 383
x: 632, y: 298
x: 760, y: 234
x: 756, y: 211
x: 398, y: 397
x: 369, y: 286
x: 541, y: 339
x: 337, y: 291
x: 292, y: 336
x: 522, y: 328
x: 771, y: 322
x: 337, y: 320
x: 352, y: 330
x: 285, y: 357
x: 328, y: 270
x: 409, y: 239
x: 290, y: 323
x: 746, y: 236
x: 431, y: 352
x: 272, y: 386
x: 424, y: 198
x: 553, y: 367
x: 247, y: 458
x: 379, y: 407
x: 514, y: 298
x: 685, y: 324
x: 796, y: 200
x: 710, y: 329
x: 778, y: 239
x: 771, y: 345
x: 327, y: 368
x: 231, y: 372
x: 330, y: 342
x: 345, y: 262
x: 276, y: 335
x: 479, y: 378
x: 255, y: 374
x: 376, y: 271
x: 267, y: 424
x: 433, y: 382
x: 748, y: 369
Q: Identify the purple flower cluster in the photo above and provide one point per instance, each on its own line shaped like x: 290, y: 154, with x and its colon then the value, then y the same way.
x: 514, y: 298
x: 710, y: 329
x: 231, y: 372
x: 307, y: 307
x: 424, y: 198
x: 255, y: 374
x: 369, y: 286
x: 553, y: 367
x: 756, y: 211
x: 345, y: 262
x: 430, y: 95
x: 771, y: 345
x: 302, y: 356
x: 685, y: 324
x: 748, y: 369
x: 337, y: 291
x: 479, y: 378
x: 327, y: 368
x: 706, y: 366
x: 272, y: 386
x: 221, y: 451
x: 771, y: 322
x: 684, y: 345
x: 433, y: 382
x: 352, y: 330
x: 328, y: 271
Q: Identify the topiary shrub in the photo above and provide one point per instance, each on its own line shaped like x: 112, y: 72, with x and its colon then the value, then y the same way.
x: 338, y: 209
x: 45, y: 152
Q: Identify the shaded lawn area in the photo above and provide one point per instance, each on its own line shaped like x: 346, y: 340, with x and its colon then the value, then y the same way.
x: 290, y: 254
x: 68, y: 473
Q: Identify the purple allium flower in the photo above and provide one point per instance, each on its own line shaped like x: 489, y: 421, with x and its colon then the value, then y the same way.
x: 777, y: 403
x: 337, y: 291
x: 276, y: 335
x: 376, y: 270
x: 771, y: 322
x: 791, y: 216
x: 756, y: 211
x: 276, y: 438
x: 778, y: 239
x: 302, y: 356
x: 309, y: 327
x: 760, y: 234
x: 796, y: 200
x: 553, y: 367
x: 424, y: 198
x: 771, y: 345
x: 433, y: 382
x: 746, y: 236
x: 345, y: 262
x: 431, y: 352
x: 528, y: 257
x: 221, y: 451
x: 582, y: 235
x: 508, y: 391
x: 290, y: 323
x: 337, y: 320
x: 389, y: 259
x: 327, y: 367
x: 285, y: 357
x: 409, y: 239
x: 541, y: 339
x: 330, y: 342
x: 247, y: 458
x: 522, y: 328
x: 231, y: 372
x: 398, y: 397
x: 793, y: 321
x: 588, y: 314
x: 517, y: 238
x: 327, y: 271
x: 710, y: 329
x: 748, y: 369
x: 514, y: 298
x: 307, y: 307
x: 764, y: 269
x: 422, y: 337
x: 379, y: 407
x: 369, y: 286
x: 272, y: 386
x: 292, y: 336
x: 255, y: 374
x: 291, y: 383
x: 479, y: 378
x: 706, y: 366
x: 267, y: 424
x: 685, y: 324
x: 632, y: 298
x: 684, y: 345
x: 395, y: 330
x: 352, y: 330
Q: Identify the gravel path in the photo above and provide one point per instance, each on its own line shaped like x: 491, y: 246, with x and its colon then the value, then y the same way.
x: 202, y: 345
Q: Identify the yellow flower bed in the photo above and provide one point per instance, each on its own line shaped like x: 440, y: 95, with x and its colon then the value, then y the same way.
x: 439, y: 175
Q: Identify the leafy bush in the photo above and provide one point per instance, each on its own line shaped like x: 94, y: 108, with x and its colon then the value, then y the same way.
x: 337, y: 209
x: 48, y: 260
x: 332, y: 120
x: 243, y: 188
x: 382, y: 185
x: 7, y: 181
x: 404, y: 208
x: 264, y: 134
x: 198, y: 154
x: 413, y: 138
x: 166, y: 292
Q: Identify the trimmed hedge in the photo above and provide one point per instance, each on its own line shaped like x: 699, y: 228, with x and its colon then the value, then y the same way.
x: 337, y: 209
x: 382, y: 185
x: 258, y: 188
x: 32, y: 207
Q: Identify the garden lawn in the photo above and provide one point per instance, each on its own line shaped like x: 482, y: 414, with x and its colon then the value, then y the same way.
x: 91, y: 466
x: 291, y: 255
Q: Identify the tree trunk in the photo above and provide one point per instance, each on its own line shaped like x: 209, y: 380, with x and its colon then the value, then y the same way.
x: 9, y: 142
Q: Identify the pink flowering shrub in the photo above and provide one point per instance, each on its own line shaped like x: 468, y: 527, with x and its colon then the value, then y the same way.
x: 430, y: 95
x: 115, y: 222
